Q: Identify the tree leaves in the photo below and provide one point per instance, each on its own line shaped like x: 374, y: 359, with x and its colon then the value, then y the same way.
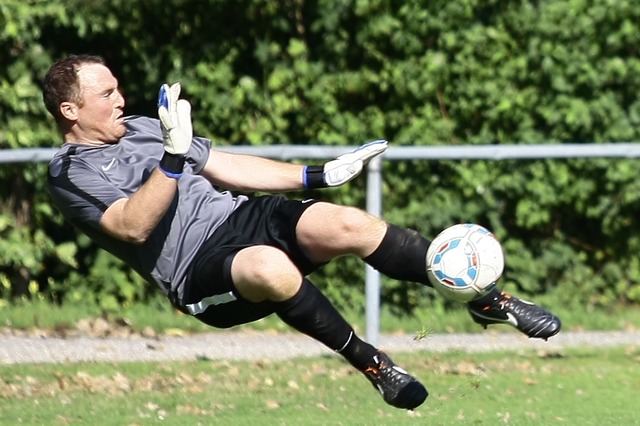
x: 416, y: 73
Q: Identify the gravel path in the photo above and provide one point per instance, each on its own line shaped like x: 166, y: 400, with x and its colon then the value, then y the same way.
x: 253, y: 345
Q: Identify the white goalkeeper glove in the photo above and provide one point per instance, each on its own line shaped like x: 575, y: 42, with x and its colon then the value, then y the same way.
x: 177, y: 131
x: 344, y: 168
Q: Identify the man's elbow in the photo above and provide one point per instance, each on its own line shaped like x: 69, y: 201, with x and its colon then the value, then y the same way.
x: 137, y: 236
x: 133, y: 235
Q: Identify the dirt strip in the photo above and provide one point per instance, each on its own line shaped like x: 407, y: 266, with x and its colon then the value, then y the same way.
x: 254, y: 345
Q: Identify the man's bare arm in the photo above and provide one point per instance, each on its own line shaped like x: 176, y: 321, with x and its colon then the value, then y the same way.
x: 133, y: 219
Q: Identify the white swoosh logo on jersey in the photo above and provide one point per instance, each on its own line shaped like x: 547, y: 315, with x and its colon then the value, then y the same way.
x: 109, y: 166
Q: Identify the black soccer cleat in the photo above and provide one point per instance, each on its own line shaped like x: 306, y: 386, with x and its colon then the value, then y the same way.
x: 396, y: 386
x: 527, y: 317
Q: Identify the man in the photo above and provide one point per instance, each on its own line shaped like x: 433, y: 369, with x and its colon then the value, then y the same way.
x: 146, y: 190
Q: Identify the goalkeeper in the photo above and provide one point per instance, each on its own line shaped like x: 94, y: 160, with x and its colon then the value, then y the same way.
x: 147, y: 191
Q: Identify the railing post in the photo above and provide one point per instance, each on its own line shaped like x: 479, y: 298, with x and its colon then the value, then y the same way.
x: 372, y: 278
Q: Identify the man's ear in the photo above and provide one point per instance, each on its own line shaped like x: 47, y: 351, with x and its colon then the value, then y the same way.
x: 69, y: 110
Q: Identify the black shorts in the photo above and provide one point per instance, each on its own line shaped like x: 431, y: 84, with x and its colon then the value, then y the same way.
x: 209, y: 292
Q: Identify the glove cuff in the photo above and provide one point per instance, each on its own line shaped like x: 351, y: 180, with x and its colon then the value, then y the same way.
x: 313, y: 177
x: 172, y: 165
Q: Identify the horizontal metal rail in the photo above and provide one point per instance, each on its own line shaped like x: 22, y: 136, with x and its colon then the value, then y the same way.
x: 433, y: 152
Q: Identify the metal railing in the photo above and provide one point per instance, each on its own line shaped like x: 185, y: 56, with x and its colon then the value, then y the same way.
x: 374, y: 177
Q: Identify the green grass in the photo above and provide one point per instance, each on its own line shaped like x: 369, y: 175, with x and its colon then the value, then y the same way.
x: 573, y: 387
x: 161, y: 317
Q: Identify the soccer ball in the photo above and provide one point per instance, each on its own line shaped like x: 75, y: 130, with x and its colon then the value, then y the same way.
x: 464, y: 261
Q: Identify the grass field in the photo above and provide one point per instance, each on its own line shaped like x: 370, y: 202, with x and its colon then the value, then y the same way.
x: 160, y: 317
x: 572, y: 387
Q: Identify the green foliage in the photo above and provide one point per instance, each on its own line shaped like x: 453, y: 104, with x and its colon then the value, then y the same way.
x: 261, y: 72
x: 107, y: 283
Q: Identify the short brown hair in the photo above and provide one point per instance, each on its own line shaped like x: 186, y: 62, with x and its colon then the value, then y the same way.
x: 61, y: 82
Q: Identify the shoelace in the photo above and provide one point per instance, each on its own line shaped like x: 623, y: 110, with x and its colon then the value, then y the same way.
x: 504, y: 302
x: 375, y: 370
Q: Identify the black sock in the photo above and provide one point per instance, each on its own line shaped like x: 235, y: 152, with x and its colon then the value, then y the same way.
x: 402, y: 255
x: 311, y: 313
x: 486, y: 299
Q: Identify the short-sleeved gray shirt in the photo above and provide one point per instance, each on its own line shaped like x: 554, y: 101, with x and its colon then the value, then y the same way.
x: 85, y: 180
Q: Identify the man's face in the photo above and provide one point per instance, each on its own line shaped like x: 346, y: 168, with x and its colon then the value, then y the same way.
x: 100, y: 116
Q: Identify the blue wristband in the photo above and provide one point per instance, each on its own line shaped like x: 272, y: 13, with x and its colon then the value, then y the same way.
x: 172, y: 165
x: 169, y: 174
x: 304, y: 177
x: 313, y: 177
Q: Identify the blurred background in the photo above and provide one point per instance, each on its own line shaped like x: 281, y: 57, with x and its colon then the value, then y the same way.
x: 322, y: 72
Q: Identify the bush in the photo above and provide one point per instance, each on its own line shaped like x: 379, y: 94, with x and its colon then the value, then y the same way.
x: 341, y: 73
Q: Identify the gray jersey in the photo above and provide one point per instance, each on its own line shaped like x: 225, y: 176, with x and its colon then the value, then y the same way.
x: 85, y: 180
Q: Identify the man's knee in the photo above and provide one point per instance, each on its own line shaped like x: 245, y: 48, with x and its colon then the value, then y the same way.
x: 265, y: 273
